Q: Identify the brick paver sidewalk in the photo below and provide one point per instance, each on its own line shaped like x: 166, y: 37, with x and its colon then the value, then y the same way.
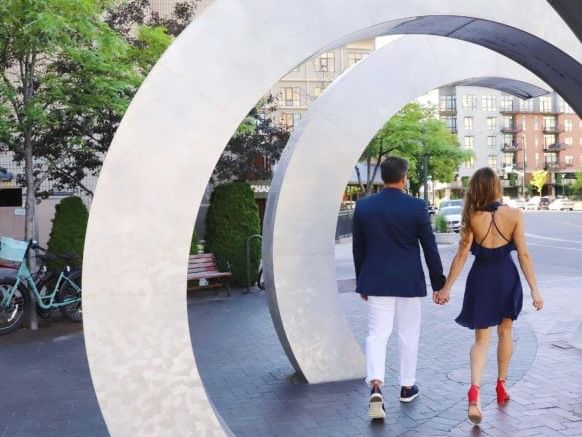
x: 49, y: 392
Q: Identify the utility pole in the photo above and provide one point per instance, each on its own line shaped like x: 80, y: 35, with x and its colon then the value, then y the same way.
x: 425, y: 176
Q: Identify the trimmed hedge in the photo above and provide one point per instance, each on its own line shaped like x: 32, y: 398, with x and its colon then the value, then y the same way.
x: 69, y: 226
x: 232, y: 218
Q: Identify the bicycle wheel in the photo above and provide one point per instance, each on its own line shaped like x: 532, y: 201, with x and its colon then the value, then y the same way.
x: 74, y: 310
x: 13, y: 314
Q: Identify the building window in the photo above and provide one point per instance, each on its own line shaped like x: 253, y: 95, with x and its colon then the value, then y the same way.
x: 506, y: 103
x: 468, y: 123
x: 549, y: 122
x: 489, y: 103
x: 537, y: 142
x: 523, y: 124
x: 550, y: 158
x: 568, y: 125
x: 507, y: 122
x: 569, y: 160
x: 546, y: 104
x: 470, y: 163
x: 448, y: 103
x: 508, y: 139
x: 526, y: 105
x: 325, y: 62
x: 491, y: 143
x: 491, y: 123
x: 569, y: 141
x: 469, y: 142
x: 549, y: 140
x: 451, y: 123
x: 290, y: 96
x: 355, y: 57
x: 536, y: 124
x: 469, y: 102
x: 508, y: 159
x: 317, y: 91
x: 492, y: 161
x: 289, y: 120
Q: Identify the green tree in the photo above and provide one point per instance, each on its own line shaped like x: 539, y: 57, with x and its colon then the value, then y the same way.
x: 415, y: 133
x: 538, y: 180
x: 65, y: 80
x: 232, y: 218
x: 577, y: 185
x: 69, y: 226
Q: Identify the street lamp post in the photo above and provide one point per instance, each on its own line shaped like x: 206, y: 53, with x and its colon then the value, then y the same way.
x: 425, y: 176
x: 524, y: 165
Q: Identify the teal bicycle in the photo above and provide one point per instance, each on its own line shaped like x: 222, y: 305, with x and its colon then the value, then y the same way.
x: 56, y: 289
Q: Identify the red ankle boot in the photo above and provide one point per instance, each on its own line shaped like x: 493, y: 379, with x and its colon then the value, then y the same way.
x: 475, y: 415
x: 502, y: 394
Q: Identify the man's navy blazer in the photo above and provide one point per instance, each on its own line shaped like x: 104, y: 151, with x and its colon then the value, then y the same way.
x: 387, y: 229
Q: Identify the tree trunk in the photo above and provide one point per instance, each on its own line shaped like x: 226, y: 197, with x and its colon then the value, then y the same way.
x: 360, y: 183
x: 30, y: 217
x: 368, y: 176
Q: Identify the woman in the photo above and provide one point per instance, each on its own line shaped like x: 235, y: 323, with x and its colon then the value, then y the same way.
x: 493, y: 293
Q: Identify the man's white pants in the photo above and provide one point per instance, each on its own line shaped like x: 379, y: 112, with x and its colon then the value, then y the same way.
x: 381, y: 312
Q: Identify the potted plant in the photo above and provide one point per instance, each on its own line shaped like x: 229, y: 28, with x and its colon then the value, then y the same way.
x: 442, y: 232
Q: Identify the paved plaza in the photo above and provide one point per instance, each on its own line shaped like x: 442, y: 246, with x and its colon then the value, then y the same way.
x: 47, y: 390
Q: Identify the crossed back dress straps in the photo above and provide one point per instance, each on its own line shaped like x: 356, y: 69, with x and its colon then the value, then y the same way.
x: 493, y: 223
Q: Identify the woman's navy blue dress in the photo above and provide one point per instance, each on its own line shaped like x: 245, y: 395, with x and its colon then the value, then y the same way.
x: 493, y: 291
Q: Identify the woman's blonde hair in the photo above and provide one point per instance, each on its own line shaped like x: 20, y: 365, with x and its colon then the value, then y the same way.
x: 484, y: 188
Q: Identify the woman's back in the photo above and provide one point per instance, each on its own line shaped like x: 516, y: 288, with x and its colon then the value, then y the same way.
x: 495, y: 227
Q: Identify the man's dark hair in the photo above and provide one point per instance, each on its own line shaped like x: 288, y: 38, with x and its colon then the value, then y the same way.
x: 394, y: 169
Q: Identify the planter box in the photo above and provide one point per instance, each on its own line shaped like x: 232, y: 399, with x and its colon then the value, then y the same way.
x: 447, y: 237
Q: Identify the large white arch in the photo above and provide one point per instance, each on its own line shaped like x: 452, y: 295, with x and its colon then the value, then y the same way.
x: 136, y: 325
x: 306, y: 191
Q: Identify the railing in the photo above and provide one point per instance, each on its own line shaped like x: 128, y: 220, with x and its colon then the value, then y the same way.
x: 511, y: 129
x: 554, y: 166
x: 344, y: 224
x: 553, y: 129
x: 555, y: 147
x: 509, y: 109
x: 511, y: 147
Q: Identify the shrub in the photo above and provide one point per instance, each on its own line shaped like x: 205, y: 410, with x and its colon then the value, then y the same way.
x: 440, y: 223
x: 69, y: 226
x: 232, y: 218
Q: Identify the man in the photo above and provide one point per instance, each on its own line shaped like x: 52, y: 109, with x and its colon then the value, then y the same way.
x: 387, y: 229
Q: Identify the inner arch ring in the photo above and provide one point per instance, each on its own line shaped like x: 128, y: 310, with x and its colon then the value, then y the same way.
x: 305, y: 195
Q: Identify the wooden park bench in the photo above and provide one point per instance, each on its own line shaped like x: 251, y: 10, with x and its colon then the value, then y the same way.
x: 203, y: 266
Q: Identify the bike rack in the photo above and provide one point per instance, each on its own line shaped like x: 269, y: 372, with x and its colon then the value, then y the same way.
x: 248, y: 260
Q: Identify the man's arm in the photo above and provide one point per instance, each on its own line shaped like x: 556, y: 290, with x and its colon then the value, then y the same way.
x: 431, y: 252
x: 358, y: 243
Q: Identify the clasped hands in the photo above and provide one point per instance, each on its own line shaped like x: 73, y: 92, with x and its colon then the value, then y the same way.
x: 441, y: 297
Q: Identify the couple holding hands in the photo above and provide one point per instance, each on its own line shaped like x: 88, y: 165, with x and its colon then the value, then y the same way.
x: 387, y: 230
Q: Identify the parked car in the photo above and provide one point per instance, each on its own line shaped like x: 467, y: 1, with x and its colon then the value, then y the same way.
x: 537, y: 203
x: 514, y: 203
x: 562, y: 204
x: 450, y: 202
x: 453, y: 216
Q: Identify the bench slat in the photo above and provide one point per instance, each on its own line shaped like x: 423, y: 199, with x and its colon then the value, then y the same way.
x: 208, y: 276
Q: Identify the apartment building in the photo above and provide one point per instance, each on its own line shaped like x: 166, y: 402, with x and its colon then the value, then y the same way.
x: 514, y: 136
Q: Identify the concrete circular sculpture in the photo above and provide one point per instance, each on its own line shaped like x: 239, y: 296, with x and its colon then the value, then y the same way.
x: 136, y: 325
x: 298, y: 249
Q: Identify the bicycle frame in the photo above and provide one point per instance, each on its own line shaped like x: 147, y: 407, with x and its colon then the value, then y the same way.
x: 23, y: 276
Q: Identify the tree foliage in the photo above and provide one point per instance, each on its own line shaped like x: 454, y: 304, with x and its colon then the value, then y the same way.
x: 414, y: 133
x: 255, y: 148
x: 232, y: 218
x: 538, y: 180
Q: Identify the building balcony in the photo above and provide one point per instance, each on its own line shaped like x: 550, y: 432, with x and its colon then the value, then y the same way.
x: 511, y: 129
x: 448, y: 111
x: 554, y: 166
x: 554, y: 148
x: 553, y: 129
x: 511, y: 109
x: 511, y: 148
x: 519, y: 166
